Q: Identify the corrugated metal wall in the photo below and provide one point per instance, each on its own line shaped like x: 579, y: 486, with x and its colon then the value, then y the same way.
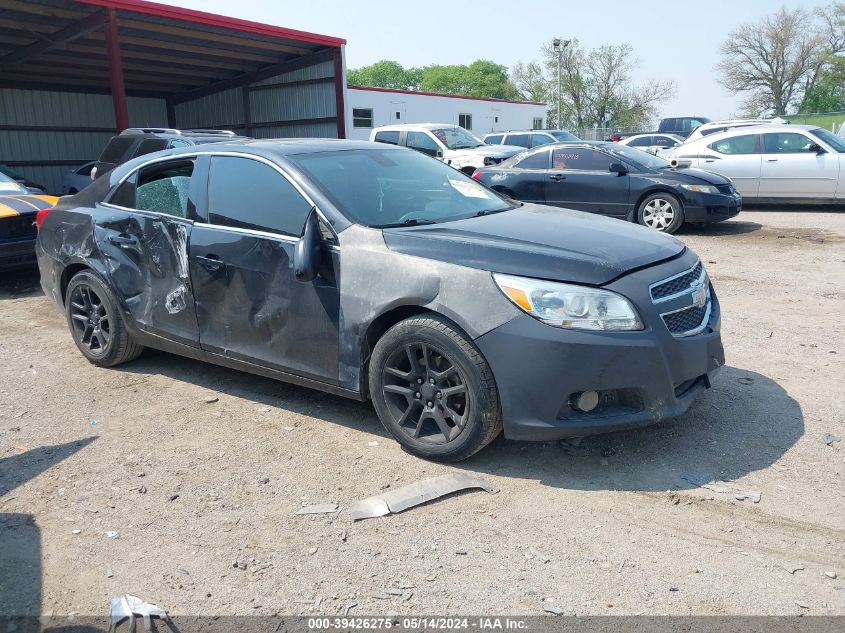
x: 31, y: 109
x: 306, y: 108
x: 275, y: 110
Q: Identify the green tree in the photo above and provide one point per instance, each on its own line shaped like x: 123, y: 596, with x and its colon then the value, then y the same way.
x: 383, y: 74
x: 827, y: 92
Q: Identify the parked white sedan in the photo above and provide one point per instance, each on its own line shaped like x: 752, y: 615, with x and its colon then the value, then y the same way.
x: 774, y: 163
x: 652, y: 143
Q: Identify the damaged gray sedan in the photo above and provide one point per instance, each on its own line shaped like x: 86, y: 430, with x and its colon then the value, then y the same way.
x: 372, y: 271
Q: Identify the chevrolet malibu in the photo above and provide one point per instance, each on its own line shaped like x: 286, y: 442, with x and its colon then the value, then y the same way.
x: 376, y: 272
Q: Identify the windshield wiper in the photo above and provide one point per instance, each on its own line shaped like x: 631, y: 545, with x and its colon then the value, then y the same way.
x: 489, y: 212
x: 408, y: 222
x: 466, y: 146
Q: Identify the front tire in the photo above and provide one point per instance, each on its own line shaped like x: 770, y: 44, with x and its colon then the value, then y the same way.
x: 662, y: 212
x: 433, y: 390
x: 95, y: 322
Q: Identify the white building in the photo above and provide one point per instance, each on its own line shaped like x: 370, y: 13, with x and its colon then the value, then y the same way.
x: 372, y: 107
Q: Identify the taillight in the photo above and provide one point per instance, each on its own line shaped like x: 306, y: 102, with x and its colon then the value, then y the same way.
x: 40, y: 216
x: 476, y: 174
x: 94, y: 172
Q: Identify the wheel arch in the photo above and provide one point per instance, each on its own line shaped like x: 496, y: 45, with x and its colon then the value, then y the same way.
x: 68, y: 273
x: 657, y: 189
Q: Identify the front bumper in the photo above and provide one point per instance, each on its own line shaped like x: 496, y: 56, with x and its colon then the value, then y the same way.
x: 712, y: 207
x: 642, y: 377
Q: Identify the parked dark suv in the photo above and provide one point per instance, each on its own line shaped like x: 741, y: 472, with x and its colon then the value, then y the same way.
x: 138, y: 141
x: 376, y: 272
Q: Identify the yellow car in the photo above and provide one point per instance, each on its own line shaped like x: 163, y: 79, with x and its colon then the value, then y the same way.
x: 17, y: 223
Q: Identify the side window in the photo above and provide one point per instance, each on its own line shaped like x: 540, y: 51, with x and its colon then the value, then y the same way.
x: 116, y: 148
x: 495, y: 139
x: 518, y: 139
x: 539, y: 139
x: 150, y: 145
x: 643, y: 141
x: 581, y: 159
x: 537, y: 160
x: 362, y: 117
x: 746, y: 144
x: 786, y: 143
x: 664, y: 141
x: 422, y: 142
x: 391, y: 138
x: 465, y: 121
x: 249, y: 194
x: 160, y: 188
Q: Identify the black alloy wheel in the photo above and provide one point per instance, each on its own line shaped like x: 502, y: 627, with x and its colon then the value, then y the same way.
x: 426, y: 393
x: 90, y: 320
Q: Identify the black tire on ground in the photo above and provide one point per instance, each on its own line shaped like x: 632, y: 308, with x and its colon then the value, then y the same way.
x: 662, y: 212
x: 433, y: 390
x: 95, y: 322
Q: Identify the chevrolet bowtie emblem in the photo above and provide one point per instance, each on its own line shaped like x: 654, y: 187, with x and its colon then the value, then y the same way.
x: 699, y: 295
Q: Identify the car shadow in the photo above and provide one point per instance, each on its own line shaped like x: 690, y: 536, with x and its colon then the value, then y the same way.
x: 745, y: 423
x: 15, y: 284
x: 730, y: 227
x: 20, y: 536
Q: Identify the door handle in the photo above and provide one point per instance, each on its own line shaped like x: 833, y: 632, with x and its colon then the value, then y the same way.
x: 123, y: 240
x: 771, y: 160
x: 557, y: 177
x: 211, y: 262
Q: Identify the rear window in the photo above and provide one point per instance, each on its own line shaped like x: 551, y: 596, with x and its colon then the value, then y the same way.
x: 116, y: 149
x: 495, y: 139
x: 518, y: 139
x: 150, y: 145
x: 390, y: 137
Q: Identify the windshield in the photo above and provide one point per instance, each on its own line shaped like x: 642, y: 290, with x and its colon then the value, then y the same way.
x: 390, y: 187
x: 456, y: 138
x: 643, y: 159
x: 836, y: 142
x: 8, y: 185
x: 563, y: 135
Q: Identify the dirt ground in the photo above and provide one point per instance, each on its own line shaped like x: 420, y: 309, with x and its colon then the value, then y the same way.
x: 203, y: 496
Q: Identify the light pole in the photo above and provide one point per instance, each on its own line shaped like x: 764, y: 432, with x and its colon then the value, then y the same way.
x: 559, y: 46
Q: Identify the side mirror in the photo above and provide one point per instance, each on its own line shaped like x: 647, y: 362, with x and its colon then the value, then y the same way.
x: 306, y: 256
x: 815, y: 147
x: 438, y: 153
x: 618, y: 168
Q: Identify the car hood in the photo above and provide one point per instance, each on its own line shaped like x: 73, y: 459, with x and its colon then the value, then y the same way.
x: 540, y: 241
x: 495, y: 151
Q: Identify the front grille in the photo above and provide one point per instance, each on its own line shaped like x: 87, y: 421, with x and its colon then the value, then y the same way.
x: 685, y: 320
x: 676, y: 285
x: 18, y: 228
x: 728, y: 189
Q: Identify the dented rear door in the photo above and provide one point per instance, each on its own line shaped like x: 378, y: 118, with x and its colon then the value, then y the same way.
x: 143, y: 233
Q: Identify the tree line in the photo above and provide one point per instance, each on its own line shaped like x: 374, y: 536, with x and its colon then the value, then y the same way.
x: 596, y: 84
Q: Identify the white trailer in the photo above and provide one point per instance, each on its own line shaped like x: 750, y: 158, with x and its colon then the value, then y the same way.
x: 367, y: 108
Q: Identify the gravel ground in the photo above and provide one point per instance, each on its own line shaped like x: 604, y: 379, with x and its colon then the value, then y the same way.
x: 202, y: 496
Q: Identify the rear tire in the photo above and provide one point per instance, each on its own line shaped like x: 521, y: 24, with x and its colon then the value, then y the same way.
x: 433, y: 390
x: 95, y: 322
x: 662, y: 212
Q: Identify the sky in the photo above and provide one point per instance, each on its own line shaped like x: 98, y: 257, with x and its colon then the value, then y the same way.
x: 672, y: 40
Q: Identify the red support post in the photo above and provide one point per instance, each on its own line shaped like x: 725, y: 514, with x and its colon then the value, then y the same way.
x: 339, y: 85
x: 118, y: 89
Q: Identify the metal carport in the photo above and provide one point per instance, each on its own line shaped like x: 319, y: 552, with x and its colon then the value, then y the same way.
x: 72, y: 72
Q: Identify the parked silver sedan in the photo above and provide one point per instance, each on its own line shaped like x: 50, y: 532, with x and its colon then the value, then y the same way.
x: 774, y: 163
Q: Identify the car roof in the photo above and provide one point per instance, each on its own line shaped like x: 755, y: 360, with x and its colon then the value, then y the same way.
x: 281, y: 147
x: 411, y: 126
x: 761, y: 129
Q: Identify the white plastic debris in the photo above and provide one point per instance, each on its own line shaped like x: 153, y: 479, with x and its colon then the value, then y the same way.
x: 128, y: 606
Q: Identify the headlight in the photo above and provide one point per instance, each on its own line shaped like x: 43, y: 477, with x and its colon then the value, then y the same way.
x: 570, y: 306
x: 700, y: 188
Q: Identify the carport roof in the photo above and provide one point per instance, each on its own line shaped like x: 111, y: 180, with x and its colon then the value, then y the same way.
x: 166, y: 51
